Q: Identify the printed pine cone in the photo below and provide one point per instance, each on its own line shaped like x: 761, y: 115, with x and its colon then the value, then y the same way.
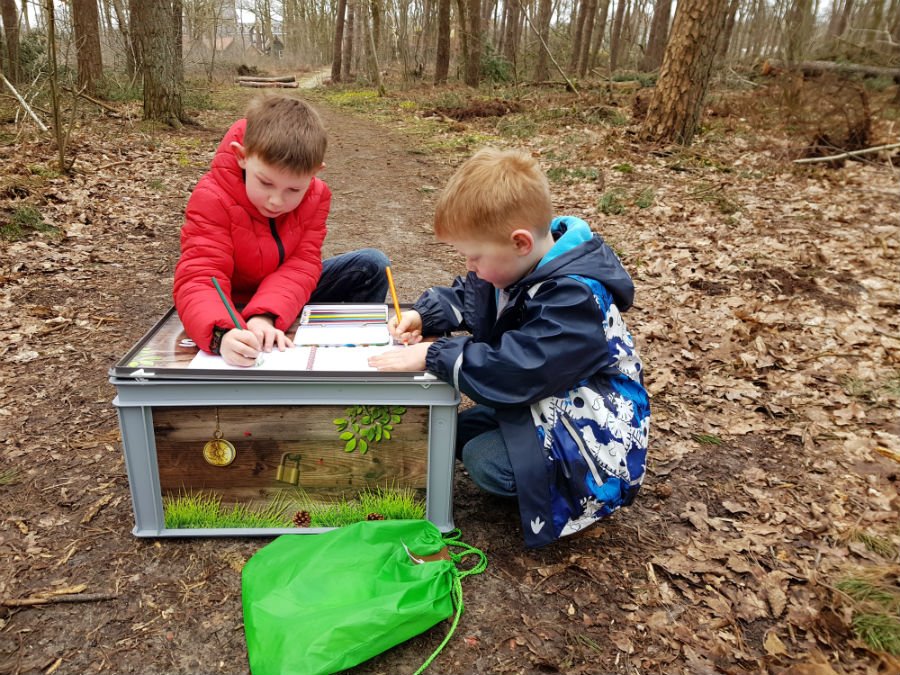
x: 374, y: 516
x: 302, y: 519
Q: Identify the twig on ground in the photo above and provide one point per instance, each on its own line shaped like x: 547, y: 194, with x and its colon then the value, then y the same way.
x: 50, y: 599
x: 850, y: 153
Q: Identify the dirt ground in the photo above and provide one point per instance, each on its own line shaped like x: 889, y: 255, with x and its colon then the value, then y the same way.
x: 770, y: 335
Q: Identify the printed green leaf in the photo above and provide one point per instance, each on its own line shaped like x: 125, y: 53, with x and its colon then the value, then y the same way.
x: 346, y: 436
x: 363, y: 446
x: 351, y: 445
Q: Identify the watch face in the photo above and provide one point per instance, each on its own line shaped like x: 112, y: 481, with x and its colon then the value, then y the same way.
x: 219, y: 452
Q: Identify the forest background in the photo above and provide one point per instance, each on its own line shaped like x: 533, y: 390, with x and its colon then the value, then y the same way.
x: 740, y: 156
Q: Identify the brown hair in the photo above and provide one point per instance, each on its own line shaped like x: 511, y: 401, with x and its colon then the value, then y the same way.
x: 285, y: 132
x: 491, y: 194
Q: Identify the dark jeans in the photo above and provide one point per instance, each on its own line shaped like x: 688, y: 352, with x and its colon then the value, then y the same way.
x: 483, y: 451
x: 357, y: 276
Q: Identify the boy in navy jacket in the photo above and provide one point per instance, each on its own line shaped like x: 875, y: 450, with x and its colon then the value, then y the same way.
x: 561, y: 417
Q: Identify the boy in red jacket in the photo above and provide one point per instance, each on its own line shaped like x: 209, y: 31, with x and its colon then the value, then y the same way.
x: 256, y: 222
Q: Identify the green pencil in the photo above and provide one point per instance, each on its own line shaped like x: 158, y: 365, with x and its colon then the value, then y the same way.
x: 237, y: 323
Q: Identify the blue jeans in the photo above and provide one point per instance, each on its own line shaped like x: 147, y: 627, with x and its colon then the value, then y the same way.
x: 483, y: 451
x: 357, y: 276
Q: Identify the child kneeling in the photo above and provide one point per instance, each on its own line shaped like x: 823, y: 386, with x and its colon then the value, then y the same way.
x: 561, y: 417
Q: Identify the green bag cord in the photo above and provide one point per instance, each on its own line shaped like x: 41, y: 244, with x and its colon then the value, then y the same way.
x: 453, y: 539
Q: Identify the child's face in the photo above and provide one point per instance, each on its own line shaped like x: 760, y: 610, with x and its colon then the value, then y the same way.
x: 271, y: 189
x: 499, y: 263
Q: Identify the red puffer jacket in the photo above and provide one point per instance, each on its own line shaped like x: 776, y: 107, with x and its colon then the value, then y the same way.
x: 270, y: 266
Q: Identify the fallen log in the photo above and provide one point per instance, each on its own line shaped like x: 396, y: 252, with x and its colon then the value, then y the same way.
x: 254, y: 78
x: 832, y: 67
x: 289, y: 85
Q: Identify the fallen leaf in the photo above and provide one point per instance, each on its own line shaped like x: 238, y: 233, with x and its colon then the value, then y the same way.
x: 773, y: 645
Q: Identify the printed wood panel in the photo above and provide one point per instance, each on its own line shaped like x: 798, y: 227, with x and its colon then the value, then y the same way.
x: 284, y: 447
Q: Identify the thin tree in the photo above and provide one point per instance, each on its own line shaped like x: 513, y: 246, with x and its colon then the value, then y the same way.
x: 599, y: 32
x: 349, y: 30
x: 615, y: 37
x: 163, y: 67
x: 585, y: 53
x: 442, y: 58
x: 473, y: 63
x: 577, y: 28
x: 511, y: 32
x: 86, y: 18
x: 461, y: 13
x: 674, y: 110
x: 371, y: 55
x: 797, y: 30
x: 10, y: 16
x: 659, y: 35
x: 338, y: 44
x: 545, y: 13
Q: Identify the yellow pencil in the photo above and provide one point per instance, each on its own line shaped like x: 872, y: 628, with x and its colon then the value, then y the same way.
x: 394, y: 294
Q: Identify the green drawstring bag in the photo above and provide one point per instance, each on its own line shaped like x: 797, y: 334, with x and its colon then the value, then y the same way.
x: 327, y: 602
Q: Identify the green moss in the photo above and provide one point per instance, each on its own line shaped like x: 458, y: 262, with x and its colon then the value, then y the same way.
x: 9, y: 476
x: 25, y: 221
x: 611, y: 203
x: 645, y: 198
x: 708, y: 439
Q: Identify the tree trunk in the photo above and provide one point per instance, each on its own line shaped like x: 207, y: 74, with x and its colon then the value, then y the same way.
x: 442, y: 59
x: 843, y: 18
x: 585, y: 53
x: 511, y: 32
x: 163, y: 68
x: 677, y: 101
x: 371, y: 56
x: 578, y: 33
x: 473, y: 63
x: 349, y: 29
x: 10, y: 17
x: 599, y: 32
x: 615, y: 37
x: 545, y: 12
x: 462, y: 13
x: 659, y: 35
x: 338, y: 44
x: 727, y: 33
x: 87, y: 44
x: 798, y: 28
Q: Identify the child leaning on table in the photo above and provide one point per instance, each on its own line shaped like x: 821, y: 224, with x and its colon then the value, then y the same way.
x: 561, y: 416
x: 256, y: 222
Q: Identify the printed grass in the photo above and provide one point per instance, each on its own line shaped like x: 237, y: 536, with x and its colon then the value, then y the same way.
x: 205, y: 510
x: 387, y: 502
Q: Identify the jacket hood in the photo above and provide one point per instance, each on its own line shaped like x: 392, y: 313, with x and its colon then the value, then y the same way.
x: 579, y: 251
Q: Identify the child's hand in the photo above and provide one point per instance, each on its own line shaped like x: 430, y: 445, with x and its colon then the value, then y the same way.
x: 239, y: 347
x: 408, y: 331
x: 263, y: 327
x: 411, y: 358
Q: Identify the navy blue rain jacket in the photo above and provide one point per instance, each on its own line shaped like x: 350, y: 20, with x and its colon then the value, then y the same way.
x: 560, y: 368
